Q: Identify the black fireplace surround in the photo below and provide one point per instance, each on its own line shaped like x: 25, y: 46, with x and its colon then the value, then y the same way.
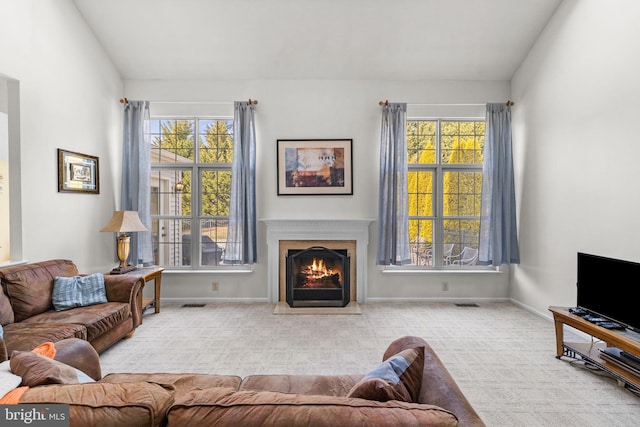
x: 317, y: 277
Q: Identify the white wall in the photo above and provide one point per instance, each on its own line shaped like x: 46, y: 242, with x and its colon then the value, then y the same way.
x: 69, y: 93
x: 69, y: 99
x: 324, y: 109
x: 5, y: 231
x: 576, y: 147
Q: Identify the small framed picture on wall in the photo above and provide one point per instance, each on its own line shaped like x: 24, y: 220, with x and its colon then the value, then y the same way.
x: 77, y: 173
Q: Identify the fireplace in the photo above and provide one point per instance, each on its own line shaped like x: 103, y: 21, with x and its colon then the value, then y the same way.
x: 317, y: 277
x: 285, y: 234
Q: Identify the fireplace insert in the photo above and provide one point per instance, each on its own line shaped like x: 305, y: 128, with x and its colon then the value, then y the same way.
x: 317, y: 277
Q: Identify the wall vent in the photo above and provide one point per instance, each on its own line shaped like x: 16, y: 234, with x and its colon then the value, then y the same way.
x: 467, y: 305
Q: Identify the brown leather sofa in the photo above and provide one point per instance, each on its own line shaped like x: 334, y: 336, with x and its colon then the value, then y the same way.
x: 28, y: 318
x: 175, y: 399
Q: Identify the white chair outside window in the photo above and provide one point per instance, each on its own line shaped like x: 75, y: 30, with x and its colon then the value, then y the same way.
x: 447, y: 253
x: 421, y: 252
x: 468, y: 256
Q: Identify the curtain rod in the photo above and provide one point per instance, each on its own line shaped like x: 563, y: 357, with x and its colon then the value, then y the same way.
x: 251, y: 101
x: 386, y: 102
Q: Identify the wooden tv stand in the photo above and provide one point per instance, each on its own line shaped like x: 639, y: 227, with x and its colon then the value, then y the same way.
x: 622, y: 339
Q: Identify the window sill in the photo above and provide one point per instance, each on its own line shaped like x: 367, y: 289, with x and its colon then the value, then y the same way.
x: 216, y: 271
x: 414, y: 270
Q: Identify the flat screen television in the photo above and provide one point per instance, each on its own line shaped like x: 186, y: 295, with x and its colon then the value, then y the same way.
x: 607, y: 287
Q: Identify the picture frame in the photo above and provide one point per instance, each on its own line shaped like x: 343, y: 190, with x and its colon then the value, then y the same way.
x: 315, y: 167
x: 78, y: 173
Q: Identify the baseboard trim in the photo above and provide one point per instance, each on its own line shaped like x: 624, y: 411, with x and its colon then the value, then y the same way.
x: 451, y: 300
x: 210, y: 300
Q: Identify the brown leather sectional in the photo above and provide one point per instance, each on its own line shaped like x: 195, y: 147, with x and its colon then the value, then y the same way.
x: 28, y: 318
x: 175, y: 399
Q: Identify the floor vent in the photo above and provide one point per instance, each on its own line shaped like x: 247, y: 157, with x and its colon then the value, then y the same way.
x: 467, y: 305
x: 193, y: 305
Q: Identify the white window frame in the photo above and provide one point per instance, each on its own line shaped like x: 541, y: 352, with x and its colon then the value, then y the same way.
x: 439, y: 169
x: 195, y: 217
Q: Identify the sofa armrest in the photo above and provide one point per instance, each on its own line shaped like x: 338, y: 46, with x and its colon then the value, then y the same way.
x: 126, y: 288
x: 438, y: 386
x: 80, y: 354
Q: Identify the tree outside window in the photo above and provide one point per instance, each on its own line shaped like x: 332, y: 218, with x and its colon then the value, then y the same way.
x: 444, y: 188
x: 190, y: 190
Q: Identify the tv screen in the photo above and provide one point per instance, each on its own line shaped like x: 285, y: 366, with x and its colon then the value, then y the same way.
x: 606, y: 287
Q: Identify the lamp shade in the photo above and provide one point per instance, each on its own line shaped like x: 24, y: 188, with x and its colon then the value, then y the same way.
x: 124, y: 221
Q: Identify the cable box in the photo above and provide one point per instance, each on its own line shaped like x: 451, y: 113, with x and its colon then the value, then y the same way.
x: 622, y: 359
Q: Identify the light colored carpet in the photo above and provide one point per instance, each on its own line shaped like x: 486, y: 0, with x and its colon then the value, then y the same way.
x: 502, y: 356
x: 284, y: 308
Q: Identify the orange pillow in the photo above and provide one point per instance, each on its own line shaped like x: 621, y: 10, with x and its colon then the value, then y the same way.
x: 47, y: 349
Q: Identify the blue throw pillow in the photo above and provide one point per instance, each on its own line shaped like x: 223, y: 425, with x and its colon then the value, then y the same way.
x: 78, y: 291
x: 397, y: 378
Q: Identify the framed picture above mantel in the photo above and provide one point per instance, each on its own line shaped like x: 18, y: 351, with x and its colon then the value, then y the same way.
x: 78, y: 173
x: 315, y: 167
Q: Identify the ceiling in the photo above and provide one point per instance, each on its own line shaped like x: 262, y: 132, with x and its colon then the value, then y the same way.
x: 317, y: 39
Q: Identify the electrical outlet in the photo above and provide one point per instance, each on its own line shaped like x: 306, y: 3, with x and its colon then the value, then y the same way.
x: 214, y: 286
x: 445, y: 286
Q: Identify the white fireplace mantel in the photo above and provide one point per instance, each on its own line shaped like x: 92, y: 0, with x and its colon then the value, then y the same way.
x: 317, y: 229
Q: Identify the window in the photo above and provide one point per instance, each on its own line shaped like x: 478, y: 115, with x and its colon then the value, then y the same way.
x: 444, y: 184
x: 190, y: 190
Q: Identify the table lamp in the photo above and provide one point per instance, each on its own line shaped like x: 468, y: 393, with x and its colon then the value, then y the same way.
x: 123, y: 222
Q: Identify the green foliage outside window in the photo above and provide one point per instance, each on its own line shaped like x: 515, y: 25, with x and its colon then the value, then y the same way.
x: 215, y: 148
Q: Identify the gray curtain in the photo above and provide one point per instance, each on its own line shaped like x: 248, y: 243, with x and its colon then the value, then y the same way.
x: 241, y: 239
x: 393, y: 215
x: 136, y: 176
x: 498, y: 231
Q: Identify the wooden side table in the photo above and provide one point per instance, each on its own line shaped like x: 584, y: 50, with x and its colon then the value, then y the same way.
x: 155, y: 274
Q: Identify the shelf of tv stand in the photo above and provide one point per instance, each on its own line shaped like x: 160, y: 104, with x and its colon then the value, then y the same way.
x: 622, y: 339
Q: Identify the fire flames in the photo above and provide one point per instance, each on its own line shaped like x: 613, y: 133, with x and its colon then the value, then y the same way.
x: 318, y: 269
x: 317, y: 274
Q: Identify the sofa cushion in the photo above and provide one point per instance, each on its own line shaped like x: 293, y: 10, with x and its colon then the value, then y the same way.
x: 262, y: 408
x: 104, y: 404
x: 25, y: 336
x: 38, y: 370
x: 179, y: 383
x: 30, y: 286
x: 326, y: 385
x: 6, y: 311
x: 98, y: 319
x: 397, y: 378
x: 78, y: 291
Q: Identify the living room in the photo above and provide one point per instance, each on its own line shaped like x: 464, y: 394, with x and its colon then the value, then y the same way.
x: 561, y: 172
x: 574, y: 89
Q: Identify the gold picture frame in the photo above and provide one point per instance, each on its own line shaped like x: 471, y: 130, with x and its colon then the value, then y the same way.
x: 78, y: 173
